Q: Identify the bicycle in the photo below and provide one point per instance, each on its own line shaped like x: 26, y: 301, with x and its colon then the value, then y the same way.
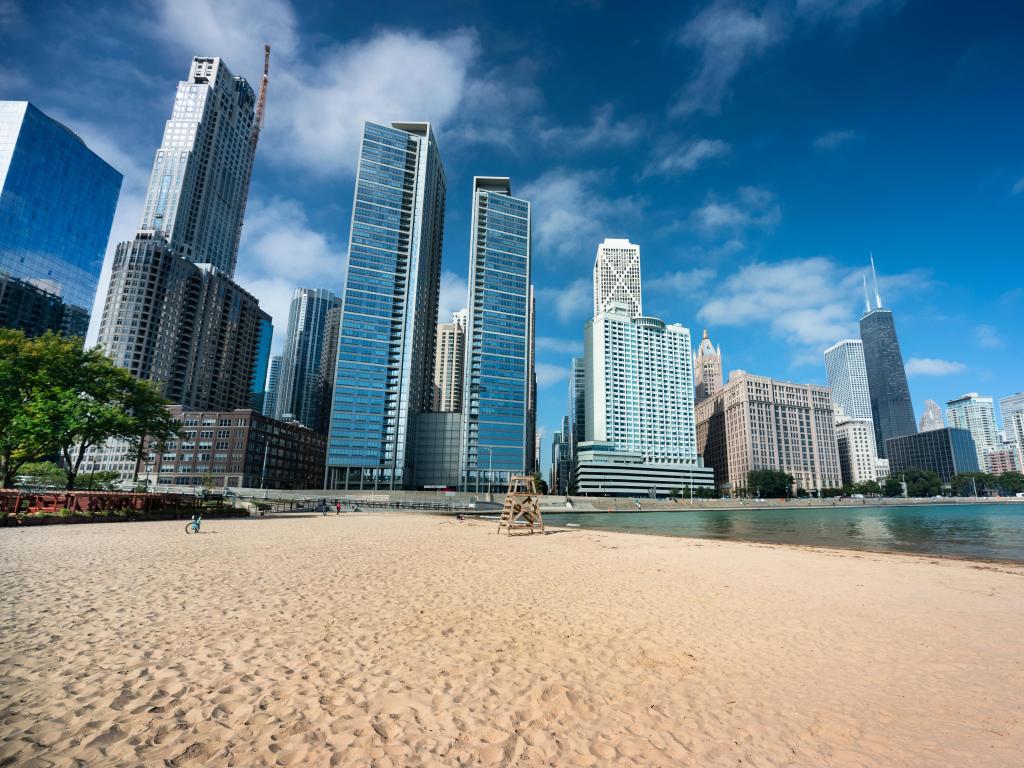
x: 193, y: 524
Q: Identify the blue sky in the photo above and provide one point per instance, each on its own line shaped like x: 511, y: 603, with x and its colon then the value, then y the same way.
x: 757, y: 152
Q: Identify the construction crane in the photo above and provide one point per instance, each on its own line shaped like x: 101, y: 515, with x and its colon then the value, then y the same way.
x: 254, y: 136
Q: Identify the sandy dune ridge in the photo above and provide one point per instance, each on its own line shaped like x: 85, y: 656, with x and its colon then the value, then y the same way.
x: 405, y: 640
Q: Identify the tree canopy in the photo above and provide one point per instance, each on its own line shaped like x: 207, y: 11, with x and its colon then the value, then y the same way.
x: 57, y: 399
x: 769, y: 482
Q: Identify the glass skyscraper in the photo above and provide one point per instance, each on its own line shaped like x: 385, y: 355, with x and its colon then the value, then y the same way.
x: 891, y: 408
x: 297, y: 396
x: 57, y: 201
x: 259, y: 376
x: 498, y: 436
x: 385, y: 362
x: 977, y: 415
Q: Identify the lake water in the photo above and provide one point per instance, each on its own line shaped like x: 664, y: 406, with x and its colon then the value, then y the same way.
x: 990, y: 531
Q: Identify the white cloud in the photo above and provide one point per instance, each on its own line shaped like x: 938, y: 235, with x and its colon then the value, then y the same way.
x: 603, y: 131
x: 573, y: 301
x: 987, y: 336
x: 563, y: 346
x: 234, y: 30
x: 275, y: 297
x: 683, y: 283
x: 548, y: 374
x: 810, y: 303
x: 929, y: 366
x: 277, y: 241
x: 686, y: 158
x: 752, y: 207
x: 834, y: 139
x: 725, y: 36
x: 1018, y: 187
x: 570, y: 213
x: 453, y: 297
x: 844, y: 11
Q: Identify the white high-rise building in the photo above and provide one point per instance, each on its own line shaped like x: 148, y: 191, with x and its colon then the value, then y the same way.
x: 976, y: 414
x: 200, y: 180
x: 848, y: 378
x: 449, y: 356
x: 707, y: 369
x: 1009, y: 406
x: 932, y: 417
x: 857, y: 457
x: 639, y: 386
x: 617, y: 276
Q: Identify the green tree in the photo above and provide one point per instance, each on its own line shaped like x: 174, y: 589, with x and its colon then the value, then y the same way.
x: 892, y: 487
x: 920, y: 482
x: 964, y: 483
x: 542, y: 486
x: 95, y: 481
x: 868, y: 488
x: 40, y: 474
x: 1011, y: 482
x: 56, y: 398
x: 770, y: 482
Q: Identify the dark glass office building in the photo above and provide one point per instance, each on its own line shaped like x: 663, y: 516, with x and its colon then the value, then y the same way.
x: 385, y: 363
x: 891, y: 409
x: 57, y: 201
x: 946, y: 452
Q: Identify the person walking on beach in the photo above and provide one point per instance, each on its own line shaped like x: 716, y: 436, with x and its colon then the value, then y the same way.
x: 337, y: 508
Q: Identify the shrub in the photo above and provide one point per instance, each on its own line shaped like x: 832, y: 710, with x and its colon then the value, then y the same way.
x: 64, y: 512
x: 121, y: 512
x: 85, y: 513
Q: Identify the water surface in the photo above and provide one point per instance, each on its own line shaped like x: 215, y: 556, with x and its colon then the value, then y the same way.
x: 989, y: 531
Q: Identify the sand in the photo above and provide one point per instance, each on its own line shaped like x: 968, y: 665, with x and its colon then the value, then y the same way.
x: 404, y: 640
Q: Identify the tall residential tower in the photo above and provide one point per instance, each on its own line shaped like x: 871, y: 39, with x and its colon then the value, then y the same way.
x: 497, y: 394
x: 297, y: 395
x: 389, y: 308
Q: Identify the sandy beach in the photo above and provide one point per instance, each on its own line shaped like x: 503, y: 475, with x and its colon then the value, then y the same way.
x: 409, y: 640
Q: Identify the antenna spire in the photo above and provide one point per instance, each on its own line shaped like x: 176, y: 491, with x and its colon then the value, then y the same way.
x: 867, y: 302
x: 874, y: 277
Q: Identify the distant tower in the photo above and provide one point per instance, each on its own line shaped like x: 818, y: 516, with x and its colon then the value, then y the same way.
x: 270, y: 395
x: 297, y: 395
x: 977, y: 415
x: 891, y: 408
x: 932, y: 417
x: 449, y: 356
x: 848, y: 378
x: 707, y: 369
x: 617, y: 276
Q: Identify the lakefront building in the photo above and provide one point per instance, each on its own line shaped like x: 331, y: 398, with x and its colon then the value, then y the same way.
x: 385, y: 358
x: 497, y: 390
x: 946, y: 452
x: 858, y: 461
x: 848, y: 378
x: 891, y: 409
x: 639, y: 407
x: 617, y: 276
x: 298, y: 396
x: 57, y: 201
x: 756, y: 423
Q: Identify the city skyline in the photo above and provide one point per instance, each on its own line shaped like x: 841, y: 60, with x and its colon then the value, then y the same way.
x: 724, y: 226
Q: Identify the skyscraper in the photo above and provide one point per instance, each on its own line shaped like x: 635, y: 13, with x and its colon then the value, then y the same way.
x: 976, y: 414
x: 617, y: 276
x: 891, y: 409
x: 200, y: 179
x: 270, y: 394
x: 389, y: 308
x: 328, y: 365
x: 857, y: 456
x: 577, y: 404
x: 188, y: 328
x: 449, y: 357
x: 173, y: 313
x: 1010, y: 405
x: 57, y: 201
x: 297, y: 397
x: 932, y: 417
x: 848, y: 378
x: 498, y: 437
x: 707, y: 369
x: 639, y: 386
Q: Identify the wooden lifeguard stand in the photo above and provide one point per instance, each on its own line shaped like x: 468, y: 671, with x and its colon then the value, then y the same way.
x: 522, y: 502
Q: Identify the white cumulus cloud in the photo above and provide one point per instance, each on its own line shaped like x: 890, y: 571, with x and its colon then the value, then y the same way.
x: 930, y: 366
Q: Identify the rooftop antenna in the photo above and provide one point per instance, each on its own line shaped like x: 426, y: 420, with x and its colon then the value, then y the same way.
x: 867, y: 302
x: 874, y: 277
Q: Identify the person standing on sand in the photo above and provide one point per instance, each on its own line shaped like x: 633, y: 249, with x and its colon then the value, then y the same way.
x: 337, y: 508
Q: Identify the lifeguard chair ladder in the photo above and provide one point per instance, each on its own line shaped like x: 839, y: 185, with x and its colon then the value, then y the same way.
x: 522, y: 502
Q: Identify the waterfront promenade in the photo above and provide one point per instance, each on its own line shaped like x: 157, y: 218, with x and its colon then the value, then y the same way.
x: 414, y: 640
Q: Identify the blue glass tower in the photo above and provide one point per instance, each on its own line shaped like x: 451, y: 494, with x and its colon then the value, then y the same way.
x: 389, y: 308
x: 258, y: 389
x: 57, y: 201
x: 499, y: 340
